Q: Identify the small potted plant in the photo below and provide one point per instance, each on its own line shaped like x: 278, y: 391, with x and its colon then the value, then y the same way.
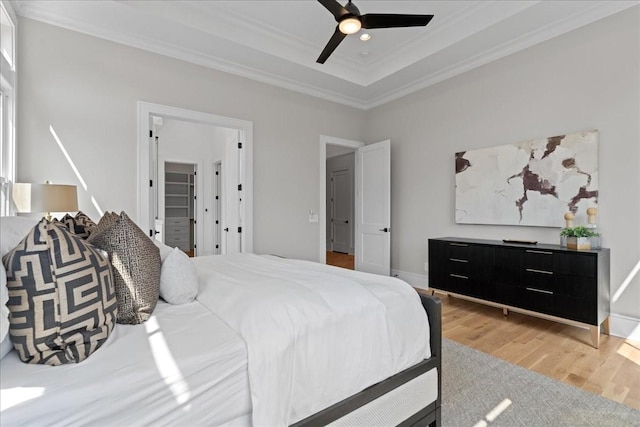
x: 578, y: 237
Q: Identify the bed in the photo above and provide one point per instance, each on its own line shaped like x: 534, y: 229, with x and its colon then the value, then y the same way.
x: 268, y: 341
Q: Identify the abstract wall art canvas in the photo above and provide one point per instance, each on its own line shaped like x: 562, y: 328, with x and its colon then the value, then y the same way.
x: 528, y: 183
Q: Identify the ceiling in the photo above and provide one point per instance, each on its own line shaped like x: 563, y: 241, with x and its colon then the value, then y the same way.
x: 278, y: 42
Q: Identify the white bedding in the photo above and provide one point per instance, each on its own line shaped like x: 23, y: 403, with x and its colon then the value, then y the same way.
x: 268, y: 341
x: 315, y: 334
x: 184, y: 366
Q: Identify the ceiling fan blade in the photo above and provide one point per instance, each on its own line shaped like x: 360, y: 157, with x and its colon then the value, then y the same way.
x: 335, y: 8
x: 391, y: 20
x: 331, y: 46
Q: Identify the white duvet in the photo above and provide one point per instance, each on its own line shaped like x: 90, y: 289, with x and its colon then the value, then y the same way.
x: 315, y: 334
x: 182, y: 367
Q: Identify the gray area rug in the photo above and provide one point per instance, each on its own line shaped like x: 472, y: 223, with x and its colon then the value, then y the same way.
x: 474, y: 383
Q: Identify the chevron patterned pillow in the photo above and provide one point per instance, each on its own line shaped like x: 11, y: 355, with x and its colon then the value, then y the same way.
x: 136, y: 267
x: 61, y: 296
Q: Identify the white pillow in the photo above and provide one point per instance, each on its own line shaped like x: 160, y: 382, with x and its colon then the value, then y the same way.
x: 5, y: 341
x: 164, y: 249
x: 13, y: 229
x: 178, y: 279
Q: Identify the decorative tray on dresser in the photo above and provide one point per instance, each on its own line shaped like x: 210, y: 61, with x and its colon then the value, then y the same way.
x: 542, y: 280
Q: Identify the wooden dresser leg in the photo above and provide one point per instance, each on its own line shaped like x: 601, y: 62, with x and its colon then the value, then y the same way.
x: 595, y: 335
x: 605, y: 326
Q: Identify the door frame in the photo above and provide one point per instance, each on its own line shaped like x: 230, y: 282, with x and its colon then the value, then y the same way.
x: 145, y: 111
x: 322, y: 220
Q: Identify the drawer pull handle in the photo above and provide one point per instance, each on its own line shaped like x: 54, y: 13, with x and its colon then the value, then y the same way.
x: 459, y: 276
x: 533, y: 270
x: 458, y: 244
x: 542, y: 291
x: 531, y: 251
x: 458, y: 260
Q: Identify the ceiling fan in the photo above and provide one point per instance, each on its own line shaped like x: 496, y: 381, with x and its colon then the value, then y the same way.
x: 350, y: 21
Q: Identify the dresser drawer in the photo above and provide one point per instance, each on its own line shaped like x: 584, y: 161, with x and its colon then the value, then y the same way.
x: 584, y: 265
x: 181, y: 242
x: 458, y: 250
x: 176, y: 230
x: 458, y: 266
x: 529, y: 298
x: 175, y: 220
x: 536, y: 260
x: 462, y: 268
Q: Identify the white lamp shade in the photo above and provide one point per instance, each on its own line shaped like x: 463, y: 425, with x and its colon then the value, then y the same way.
x: 45, y: 197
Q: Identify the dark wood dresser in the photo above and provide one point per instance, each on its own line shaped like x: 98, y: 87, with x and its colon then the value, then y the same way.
x: 542, y: 280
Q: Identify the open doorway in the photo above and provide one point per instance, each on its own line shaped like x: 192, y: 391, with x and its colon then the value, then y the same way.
x: 337, y: 240
x: 186, y: 154
x: 237, y: 189
x: 340, y: 206
x: 372, y: 213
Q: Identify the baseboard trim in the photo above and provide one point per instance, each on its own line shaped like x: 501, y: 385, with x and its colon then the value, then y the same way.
x: 415, y: 280
x: 624, y: 327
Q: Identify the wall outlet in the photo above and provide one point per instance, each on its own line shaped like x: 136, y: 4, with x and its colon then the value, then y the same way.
x: 313, y: 217
x: 426, y: 266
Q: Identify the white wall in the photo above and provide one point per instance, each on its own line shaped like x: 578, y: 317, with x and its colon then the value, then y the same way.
x: 87, y: 89
x: 586, y: 79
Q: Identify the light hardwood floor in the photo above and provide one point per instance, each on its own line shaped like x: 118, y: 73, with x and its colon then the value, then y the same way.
x: 340, y: 260
x: 558, y: 351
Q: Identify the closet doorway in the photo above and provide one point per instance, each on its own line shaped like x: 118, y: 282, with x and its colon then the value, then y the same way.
x: 180, y: 206
x: 340, y: 206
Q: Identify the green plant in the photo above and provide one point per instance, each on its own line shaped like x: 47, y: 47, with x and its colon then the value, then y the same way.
x: 579, y: 231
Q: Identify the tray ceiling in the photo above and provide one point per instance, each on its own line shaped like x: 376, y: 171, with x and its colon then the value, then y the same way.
x: 277, y: 42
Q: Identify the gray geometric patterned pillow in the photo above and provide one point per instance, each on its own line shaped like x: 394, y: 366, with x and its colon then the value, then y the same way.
x: 61, y: 296
x: 136, y: 268
x: 107, y: 220
x: 80, y: 225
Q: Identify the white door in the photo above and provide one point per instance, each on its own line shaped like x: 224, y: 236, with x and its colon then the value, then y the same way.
x: 341, y: 199
x: 373, y: 208
x: 231, y: 219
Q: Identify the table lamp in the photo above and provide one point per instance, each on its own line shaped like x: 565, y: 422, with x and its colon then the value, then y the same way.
x: 45, y: 198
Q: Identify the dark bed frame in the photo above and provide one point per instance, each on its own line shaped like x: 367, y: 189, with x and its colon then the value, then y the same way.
x: 430, y: 414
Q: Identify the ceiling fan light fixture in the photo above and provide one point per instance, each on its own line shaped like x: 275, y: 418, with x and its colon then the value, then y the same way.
x: 350, y: 21
x: 350, y: 25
